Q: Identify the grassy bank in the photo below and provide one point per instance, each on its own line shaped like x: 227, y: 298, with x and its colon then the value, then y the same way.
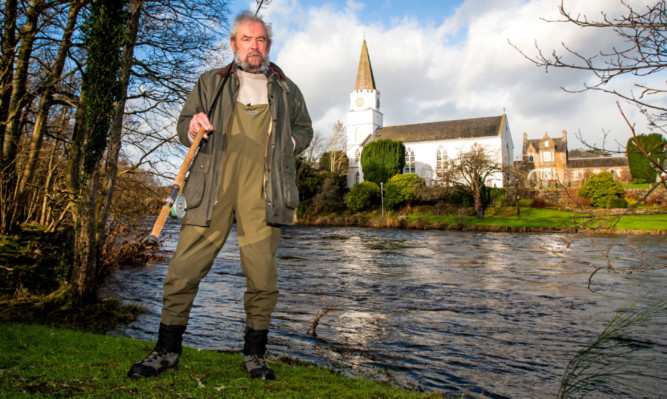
x: 497, y: 219
x: 41, y: 361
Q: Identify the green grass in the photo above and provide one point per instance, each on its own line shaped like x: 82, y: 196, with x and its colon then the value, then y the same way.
x: 40, y: 361
x: 540, y: 218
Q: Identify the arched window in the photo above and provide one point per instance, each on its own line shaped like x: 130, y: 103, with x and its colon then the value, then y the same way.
x: 409, y: 161
x: 440, y: 159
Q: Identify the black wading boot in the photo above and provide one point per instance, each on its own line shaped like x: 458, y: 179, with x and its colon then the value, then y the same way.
x: 164, y: 356
x: 253, y: 354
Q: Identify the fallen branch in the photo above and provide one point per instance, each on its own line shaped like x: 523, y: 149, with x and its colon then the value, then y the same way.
x: 317, y: 320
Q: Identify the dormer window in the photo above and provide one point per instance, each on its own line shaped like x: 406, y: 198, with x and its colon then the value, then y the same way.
x: 546, y: 144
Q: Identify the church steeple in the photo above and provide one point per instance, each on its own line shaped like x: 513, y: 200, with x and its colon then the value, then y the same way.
x: 365, y: 80
x: 364, y: 116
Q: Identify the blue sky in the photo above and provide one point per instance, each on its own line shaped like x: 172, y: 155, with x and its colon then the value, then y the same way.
x: 445, y: 60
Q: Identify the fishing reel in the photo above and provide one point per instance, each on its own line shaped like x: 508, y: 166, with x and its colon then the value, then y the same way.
x: 180, y: 207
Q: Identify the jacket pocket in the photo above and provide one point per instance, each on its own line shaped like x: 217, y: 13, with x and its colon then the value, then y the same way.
x: 195, y: 185
x: 290, y: 191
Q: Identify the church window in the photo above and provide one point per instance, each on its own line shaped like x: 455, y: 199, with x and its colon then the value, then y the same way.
x: 409, y: 161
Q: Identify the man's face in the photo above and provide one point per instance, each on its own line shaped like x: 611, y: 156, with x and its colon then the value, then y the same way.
x: 251, y: 47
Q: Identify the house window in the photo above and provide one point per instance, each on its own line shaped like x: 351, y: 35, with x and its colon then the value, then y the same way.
x: 357, y: 156
x: 409, y: 161
x: 440, y: 159
x: 547, y: 156
x: 546, y: 144
x: 531, y: 158
x: 577, y: 175
x: 546, y: 174
x: 357, y: 177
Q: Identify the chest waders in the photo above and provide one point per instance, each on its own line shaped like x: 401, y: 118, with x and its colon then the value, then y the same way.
x: 240, y: 199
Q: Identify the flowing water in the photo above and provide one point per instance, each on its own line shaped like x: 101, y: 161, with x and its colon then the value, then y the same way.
x: 482, y: 314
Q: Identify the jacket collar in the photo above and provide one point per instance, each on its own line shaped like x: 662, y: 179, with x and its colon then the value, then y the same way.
x: 273, y: 70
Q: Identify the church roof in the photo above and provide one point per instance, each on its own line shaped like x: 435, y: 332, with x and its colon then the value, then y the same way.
x: 560, y: 145
x: 445, y: 130
x: 365, y: 80
x: 599, y: 162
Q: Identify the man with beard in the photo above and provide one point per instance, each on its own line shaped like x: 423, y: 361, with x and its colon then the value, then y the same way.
x: 244, y: 172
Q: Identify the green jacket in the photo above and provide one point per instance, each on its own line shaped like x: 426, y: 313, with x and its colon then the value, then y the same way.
x: 290, y: 120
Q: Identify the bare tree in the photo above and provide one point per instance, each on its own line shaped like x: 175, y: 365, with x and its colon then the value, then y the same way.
x: 642, y: 32
x: 470, y: 170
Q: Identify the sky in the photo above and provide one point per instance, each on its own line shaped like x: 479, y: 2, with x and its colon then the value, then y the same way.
x: 452, y: 59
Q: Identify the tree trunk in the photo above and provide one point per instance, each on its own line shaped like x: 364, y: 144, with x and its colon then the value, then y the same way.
x: 19, y: 93
x: 85, y: 254
x: 104, y: 39
x: 8, y: 46
x: 111, y: 164
x: 12, y: 122
x: 47, y: 99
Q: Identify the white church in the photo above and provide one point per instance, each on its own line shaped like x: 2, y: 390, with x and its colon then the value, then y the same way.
x: 427, y: 145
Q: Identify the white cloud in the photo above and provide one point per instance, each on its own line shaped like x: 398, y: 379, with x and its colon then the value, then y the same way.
x: 463, y: 67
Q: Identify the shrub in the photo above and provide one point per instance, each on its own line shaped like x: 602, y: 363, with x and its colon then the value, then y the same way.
x: 363, y: 196
x: 618, y: 203
x: 525, y: 202
x: 601, y: 189
x: 401, y: 188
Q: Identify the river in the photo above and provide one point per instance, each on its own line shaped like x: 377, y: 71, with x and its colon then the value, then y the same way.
x: 494, y: 315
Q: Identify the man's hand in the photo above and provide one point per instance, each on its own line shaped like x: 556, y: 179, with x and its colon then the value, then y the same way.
x: 199, y: 120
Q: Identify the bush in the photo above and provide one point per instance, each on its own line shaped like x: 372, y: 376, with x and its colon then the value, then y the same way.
x: 640, y: 166
x: 618, y: 203
x: 363, y: 196
x: 601, y: 189
x: 401, y: 188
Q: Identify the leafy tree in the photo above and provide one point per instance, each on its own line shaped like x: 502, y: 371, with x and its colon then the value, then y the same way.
x: 401, y: 189
x: 308, y: 180
x: 362, y: 196
x: 601, y: 189
x: 382, y: 159
x: 644, y: 152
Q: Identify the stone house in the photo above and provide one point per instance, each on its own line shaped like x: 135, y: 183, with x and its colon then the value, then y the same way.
x: 548, y: 164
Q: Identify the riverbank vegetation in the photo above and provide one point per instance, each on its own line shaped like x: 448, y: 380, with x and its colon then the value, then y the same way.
x: 45, y: 361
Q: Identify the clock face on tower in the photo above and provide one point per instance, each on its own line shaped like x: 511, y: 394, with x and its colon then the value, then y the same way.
x: 359, y: 102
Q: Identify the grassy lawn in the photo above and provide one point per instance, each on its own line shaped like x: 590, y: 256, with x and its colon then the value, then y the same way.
x: 40, y: 361
x: 541, y: 218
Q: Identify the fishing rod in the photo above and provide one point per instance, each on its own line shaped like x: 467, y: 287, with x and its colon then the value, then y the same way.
x: 175, y: 203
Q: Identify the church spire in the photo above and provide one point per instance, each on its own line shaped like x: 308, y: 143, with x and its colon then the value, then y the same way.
x: 365, y: 80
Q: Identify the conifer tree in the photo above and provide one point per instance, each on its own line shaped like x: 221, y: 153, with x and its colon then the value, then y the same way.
x: 382, y: 159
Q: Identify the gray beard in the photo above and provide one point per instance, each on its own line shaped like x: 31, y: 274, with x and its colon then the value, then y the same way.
x: 263, y: 66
